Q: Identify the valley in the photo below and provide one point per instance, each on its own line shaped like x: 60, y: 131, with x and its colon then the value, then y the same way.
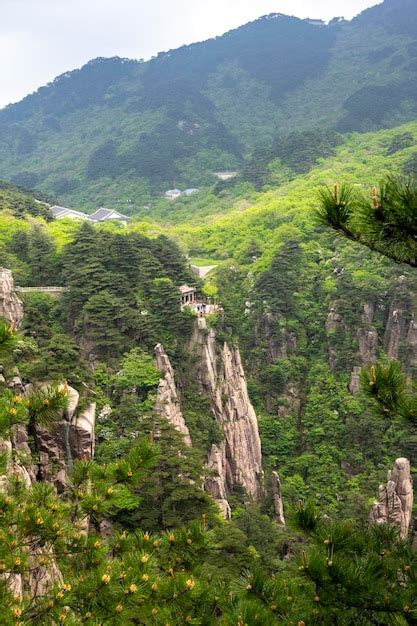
x: 201, y: 393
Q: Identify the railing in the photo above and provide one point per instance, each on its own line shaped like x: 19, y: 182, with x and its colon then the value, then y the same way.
x: 40, y: 289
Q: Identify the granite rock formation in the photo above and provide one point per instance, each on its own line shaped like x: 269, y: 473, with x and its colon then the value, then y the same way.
x: 219, y: 373
x: 395, y: 501
x: 167, y: 401
x: 277, y: 498
x: 334, y: 325
x: 215, y: 483
x: 38, y: 579
x: 11, y: 308
x: 72, y: 438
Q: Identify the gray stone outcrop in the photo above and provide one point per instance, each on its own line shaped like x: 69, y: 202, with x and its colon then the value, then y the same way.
x: 39, y: 578
x: 395, y: 501
x: 72, y: 438
x: 219, y: 373
x: 215, y: 483
x: 397, y: 322
x: 11, y: 308
x: 334, y: 324
x: 167, y: 401
x: 277, y: 498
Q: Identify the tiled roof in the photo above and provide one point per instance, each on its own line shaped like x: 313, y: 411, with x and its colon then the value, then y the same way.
x: 102, y: 214
x: 186, y: 289
x: 56, y: 210
x: 60, y: 211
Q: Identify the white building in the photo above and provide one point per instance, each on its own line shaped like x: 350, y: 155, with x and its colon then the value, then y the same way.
x: 105, y: 215
x: 226, y: 175
x: 172, y: 194
x: 60, y: 212
x: 187, y: 294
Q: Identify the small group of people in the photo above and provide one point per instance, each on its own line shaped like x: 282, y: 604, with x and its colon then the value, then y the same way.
x: 201, y: 308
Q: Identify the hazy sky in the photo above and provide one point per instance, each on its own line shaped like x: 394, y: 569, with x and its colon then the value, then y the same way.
x: 40, y: 39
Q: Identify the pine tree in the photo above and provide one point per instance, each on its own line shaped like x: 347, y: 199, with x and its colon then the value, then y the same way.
x: 53, y: 572
x: 385, y: 222
x: 40, y: 256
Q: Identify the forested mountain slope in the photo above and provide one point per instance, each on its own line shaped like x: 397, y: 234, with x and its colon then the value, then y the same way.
x: 121, y: 131
x: 306, y: 309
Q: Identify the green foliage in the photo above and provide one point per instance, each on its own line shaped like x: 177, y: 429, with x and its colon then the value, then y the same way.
x: 8, y: 338
x: 203, y: 426
x: 399, y: 142
x: 385, y: 224
x: 20, y: 202
x: 387, y: 384
x: 95, y: 138
x: 137, y: 373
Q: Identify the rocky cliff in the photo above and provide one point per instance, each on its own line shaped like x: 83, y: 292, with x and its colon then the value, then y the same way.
x: 72, y: 438
x: 167, y: 401
x: 216, y: 370
x: 395, y: 501
x: 50, y: 457
x: 398, y: 336
x: 11, y: 307
x: 237, y: 460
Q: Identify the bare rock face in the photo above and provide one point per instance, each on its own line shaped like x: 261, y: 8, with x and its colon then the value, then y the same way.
x: 277, y: 497
x: 12, y: 467
x: 396, y: 327
x: 72, y: 438
x: 215, y: 484
x: 355, y: 382
x: 368, y: 343
x: 11, y: 307
x: 395, y: 500
x: 334, y: 320
x: 412, y: 340
x: 167, y: 402
x: 279, y: 345
x: 220, y: 374
x: 40, y: 578
x: 334, y: 325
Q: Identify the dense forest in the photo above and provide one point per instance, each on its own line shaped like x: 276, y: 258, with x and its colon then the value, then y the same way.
x: 122, y: 131
x: 186, y: 564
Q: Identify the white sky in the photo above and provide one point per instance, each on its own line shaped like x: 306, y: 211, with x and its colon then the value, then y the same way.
x: 40, y: 39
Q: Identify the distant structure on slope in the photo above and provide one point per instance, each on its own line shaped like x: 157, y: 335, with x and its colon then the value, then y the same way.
x: 226, y: 175
x: 199, y: 306
x: 203, y: 270
x: 59, y: 212
x: 188, y: 294
x: 316, y: 22
x: 101, y: 215
x: 105, y: 215
x: 173, y: 194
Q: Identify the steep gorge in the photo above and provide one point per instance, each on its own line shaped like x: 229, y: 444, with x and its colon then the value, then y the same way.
x: 214, y: 367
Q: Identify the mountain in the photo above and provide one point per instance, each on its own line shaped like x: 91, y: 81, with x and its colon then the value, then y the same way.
x: 120, y: 131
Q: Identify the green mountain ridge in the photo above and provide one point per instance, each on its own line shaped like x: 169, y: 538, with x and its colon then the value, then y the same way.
x: 120, y: 132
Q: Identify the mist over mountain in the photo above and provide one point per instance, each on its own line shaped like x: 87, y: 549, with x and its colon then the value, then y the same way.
x: 123, y: 130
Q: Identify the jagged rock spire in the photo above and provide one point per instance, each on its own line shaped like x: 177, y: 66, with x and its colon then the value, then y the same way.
x: 167, y: 402
x: 219, y: 372
x: 395, y: 502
